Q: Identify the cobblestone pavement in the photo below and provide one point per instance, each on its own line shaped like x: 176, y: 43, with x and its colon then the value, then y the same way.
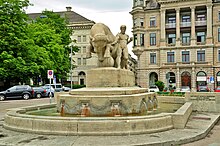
x: 195, y: 129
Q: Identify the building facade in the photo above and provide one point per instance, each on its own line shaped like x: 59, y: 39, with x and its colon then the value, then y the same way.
x: 177, y: 42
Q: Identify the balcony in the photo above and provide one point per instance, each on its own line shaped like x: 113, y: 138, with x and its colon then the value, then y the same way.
x: 185, y: 24
x: 170, y: 25
x: 200, y: 43
x: 185, y: 44
x: 171, y: 44
x: 201, y: 23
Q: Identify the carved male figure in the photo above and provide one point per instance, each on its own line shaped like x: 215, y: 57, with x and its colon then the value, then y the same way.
x: 122, y: 51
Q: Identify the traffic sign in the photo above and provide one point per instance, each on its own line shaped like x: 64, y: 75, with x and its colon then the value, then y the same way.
x: 50, y: 74
x: 212, y: 79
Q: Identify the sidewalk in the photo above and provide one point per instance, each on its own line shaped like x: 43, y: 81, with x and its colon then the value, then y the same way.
x: 197, y: 128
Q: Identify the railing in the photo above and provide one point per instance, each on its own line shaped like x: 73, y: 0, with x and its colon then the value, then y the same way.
x: 172, y: 44
x: 185, y: 44
x: 201, y: 43
x: 201, y: 23
x: 171, y: 25
x: 185, y: 24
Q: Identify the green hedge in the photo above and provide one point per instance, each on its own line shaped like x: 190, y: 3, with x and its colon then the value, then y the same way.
x: 74, y: 86
x: 171, y: 94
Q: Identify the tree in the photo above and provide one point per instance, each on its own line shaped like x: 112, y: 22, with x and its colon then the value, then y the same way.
x: 160, y: 85
x: 13, y: 24
x: 51, y: 34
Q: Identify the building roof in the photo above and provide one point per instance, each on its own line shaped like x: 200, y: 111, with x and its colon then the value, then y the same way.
x: 72, y: 16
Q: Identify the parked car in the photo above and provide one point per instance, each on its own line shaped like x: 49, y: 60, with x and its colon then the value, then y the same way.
x: 202, y: 88
x: 19, y: 91
x: 153, y: 88
x: 66, y: 89
x: 217, y: 89
x: 185, y: 89
x: 48, y: 90
x: 39, y: 92
x: 57, y: 87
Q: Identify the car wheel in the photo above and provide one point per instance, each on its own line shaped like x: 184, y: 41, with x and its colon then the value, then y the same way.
x: 38, y: 95
x: 26, y: 96
x: 2, y: 97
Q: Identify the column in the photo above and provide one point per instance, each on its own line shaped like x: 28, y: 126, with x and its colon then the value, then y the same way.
x: 178, y: 79
x: 209, y: 24
x: 193, y: 80
x: 177, y: 26
x: 162, y: 27
x: 193, y: 31
x: 138, y: 40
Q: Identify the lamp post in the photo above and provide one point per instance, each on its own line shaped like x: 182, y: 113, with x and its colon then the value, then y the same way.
x: 71, y: 67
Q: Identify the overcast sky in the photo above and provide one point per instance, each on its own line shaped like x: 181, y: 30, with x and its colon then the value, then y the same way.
x: 113, y: 13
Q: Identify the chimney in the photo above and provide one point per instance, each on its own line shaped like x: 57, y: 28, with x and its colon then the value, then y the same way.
x: 68, y: 9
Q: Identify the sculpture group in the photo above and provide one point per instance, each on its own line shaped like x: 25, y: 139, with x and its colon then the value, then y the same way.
x: 111, y: 50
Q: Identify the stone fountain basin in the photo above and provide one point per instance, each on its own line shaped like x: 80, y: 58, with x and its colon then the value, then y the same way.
x: 17, y: 120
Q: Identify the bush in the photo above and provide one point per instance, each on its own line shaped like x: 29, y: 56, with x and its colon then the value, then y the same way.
x: 74, y: 86
x: 181, y: 94
x: 160, y: 85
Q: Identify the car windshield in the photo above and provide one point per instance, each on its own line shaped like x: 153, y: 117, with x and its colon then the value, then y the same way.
x: 218, y: 88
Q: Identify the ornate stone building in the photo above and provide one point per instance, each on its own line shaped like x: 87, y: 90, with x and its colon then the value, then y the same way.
x: 177, y: 42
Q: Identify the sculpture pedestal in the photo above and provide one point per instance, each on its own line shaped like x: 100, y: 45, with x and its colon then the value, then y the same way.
x: 110, y: 77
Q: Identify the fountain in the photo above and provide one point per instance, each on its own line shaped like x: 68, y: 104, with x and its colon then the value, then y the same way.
x: 106, y: 106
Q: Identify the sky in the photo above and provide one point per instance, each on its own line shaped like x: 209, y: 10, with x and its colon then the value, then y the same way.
x: 113, y: 13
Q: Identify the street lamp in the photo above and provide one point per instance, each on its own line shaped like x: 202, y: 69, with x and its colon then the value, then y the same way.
x: 71, y: 66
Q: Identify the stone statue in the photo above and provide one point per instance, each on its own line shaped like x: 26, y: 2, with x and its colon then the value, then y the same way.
x: 112, y: 51
x: 101, y: 38
x: 122, y: 40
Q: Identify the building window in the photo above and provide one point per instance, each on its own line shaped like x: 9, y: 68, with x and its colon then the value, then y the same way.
x: 153, y: 58
x: 142, y: 39
x: 186, y: 18
x: 201, y: 37
x: 84, y: 49
x: 142, y: 22
x: 172, y: 19
x: 218, y: 55
x: 218, y: 15
x: 84, y: 38
x: 135, y: 22
x: 218, y: 34
x: 201, y: 55
x: 201, y: 17
x: 135, y: 39
x: 186, y: 38
x: 152, y: 21
x: 185, y: 56
x: 152, y: 39
x: 79, y: 61
x: 79, y: 39
x: 170, y: 57
x: 171, y: 38
x: 84, y: 61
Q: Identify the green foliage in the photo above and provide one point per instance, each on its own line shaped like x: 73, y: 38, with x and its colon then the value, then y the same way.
x: 13, y: 34
x: 181, y: 94
x: 52, y: 36
x: 160, y: 85
x: 75, y: 86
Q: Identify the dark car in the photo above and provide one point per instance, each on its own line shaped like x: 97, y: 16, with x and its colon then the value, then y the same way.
x: 19, y: 91
x: 39, y: 92
x: 203, y: 88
